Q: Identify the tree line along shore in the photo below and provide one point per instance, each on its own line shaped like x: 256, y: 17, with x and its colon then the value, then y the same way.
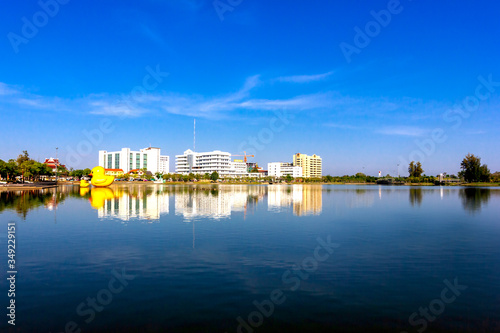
x: 472, y: 173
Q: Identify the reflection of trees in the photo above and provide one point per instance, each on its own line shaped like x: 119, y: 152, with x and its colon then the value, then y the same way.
x: 252, y: 199
x: 23, y: 201
x: 416, y: 196
x: 473, y: 198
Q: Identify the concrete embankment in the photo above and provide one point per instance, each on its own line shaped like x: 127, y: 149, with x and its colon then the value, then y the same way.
x: 27, y: 186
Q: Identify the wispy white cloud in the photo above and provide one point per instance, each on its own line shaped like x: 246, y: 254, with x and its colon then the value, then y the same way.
x: 342, y: 126
x: 403, y: 131
x: 475, y: 132
x: 252, y: 96
x: 206, y: 107
x: 305, y: 78
x: 5, y: 89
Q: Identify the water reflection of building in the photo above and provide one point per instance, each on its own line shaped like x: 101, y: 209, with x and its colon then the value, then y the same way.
x: 57, y: 195
x: 139, y: 203
x: 305, y: 200
x: 216, y: 202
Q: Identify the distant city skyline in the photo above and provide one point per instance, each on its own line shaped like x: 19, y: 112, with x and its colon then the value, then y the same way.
x: 367, y: 87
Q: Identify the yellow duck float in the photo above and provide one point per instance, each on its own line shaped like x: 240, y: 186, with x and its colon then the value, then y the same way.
x: 99, y: 178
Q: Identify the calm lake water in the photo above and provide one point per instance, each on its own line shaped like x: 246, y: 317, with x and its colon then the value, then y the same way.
x: 275, y: 258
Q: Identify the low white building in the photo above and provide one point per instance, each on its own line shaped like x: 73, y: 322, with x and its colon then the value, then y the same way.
x: 208, y: 162
x: 281, y: 169
x: 127, y: 160
x: 238, y: 169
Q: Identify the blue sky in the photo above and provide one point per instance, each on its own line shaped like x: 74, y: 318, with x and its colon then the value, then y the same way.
x: 271, y: 78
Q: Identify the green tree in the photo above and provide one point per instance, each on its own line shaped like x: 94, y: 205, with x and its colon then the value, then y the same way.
x: 24, y: 157
x: 25, y: 165
x: 214, y: 176
x: 415, y: 170
x: 473, y: 171
x: 495, y: 177
x: 12, y: 169
x: 360, y: 176
x: 328, y: 179
x: 77, y: 173
x: 288, y: 178
x: 62, y: 170
x: 3, y: 169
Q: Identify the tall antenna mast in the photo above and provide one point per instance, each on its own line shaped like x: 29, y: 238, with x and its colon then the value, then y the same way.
x: 194, y: 135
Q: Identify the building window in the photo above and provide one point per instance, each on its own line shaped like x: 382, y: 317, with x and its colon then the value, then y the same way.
x: 131, y: 164
x: 117, y: 161
x: 110, y: 161
x: 137, y: 161
x: 145, y: 161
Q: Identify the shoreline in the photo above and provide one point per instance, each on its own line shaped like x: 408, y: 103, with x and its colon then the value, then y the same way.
x: 40, y: 186
x: 312, y: 183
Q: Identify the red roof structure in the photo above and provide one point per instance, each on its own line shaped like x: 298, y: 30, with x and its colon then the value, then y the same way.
x: 53, y: 162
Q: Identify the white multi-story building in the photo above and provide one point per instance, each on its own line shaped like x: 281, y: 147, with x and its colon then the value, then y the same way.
x: 208, y: 162
x: 127, y: 160
x: 280, y: 169
x: 238, y: 169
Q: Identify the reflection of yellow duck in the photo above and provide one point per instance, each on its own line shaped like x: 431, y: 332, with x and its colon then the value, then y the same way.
x: 98, y: 197
x: 84, y: 183
x: 99, y: 178
x: 84, y: 191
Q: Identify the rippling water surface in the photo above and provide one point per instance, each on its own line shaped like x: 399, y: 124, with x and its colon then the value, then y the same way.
x: 278, y: 258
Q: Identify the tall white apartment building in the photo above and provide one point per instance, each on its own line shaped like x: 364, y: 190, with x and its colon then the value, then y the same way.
x: 208, y: 162
x: 280, y: 169
x: 127, y: 160
x: 311, y: 165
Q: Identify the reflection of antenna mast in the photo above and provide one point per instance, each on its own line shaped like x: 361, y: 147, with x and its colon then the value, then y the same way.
x: 55, y: 207
x: 194, y: 135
